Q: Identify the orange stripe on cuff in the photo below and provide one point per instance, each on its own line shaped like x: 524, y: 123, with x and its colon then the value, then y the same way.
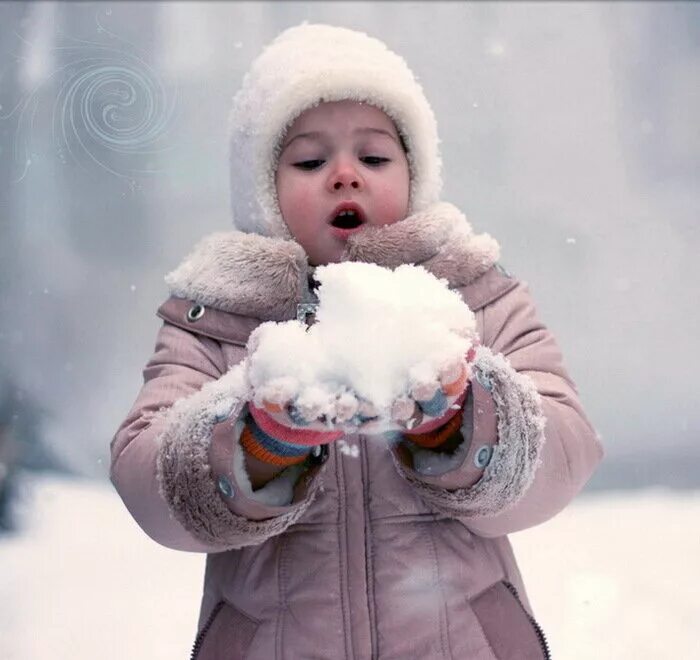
x: 438, y: 436
x: 254, y: 448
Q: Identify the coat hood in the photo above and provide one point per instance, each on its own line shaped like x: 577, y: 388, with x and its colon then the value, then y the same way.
x: 304, y: 66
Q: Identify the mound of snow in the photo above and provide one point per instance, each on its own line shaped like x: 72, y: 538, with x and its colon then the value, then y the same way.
x: 379, y: 333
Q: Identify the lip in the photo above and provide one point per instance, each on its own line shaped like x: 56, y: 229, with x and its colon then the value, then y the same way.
x: 340, y: 232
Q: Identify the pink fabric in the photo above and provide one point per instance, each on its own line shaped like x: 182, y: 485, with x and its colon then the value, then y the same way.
x: 368, y: 559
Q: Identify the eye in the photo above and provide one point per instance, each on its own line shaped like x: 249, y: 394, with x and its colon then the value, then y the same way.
x: 309, y: 164
x: 374, y: 160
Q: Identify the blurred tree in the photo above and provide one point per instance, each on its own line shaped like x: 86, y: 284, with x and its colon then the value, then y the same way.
x: 22, y: 444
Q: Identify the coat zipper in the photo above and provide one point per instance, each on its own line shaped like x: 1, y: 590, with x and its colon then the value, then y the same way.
x: 538, y: 629
x: 306, y: 309
x: 369, y: 576
x: 205, y: 629
x: 349, y: 642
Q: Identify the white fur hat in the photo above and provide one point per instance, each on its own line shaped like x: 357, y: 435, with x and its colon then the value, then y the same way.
x: 302, y: 67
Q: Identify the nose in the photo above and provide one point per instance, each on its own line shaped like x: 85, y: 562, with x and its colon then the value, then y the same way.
x: 345, y: 176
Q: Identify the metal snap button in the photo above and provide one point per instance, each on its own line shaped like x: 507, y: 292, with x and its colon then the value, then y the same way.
x: 225, y: 486
x: 195, y: 313
x: 483, y: 456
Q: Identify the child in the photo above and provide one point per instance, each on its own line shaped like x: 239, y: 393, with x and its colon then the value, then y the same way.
x: 314, y: 552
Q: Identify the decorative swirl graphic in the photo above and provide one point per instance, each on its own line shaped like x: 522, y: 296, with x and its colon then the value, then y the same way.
x: 114, y: 110
x: 109, y: 108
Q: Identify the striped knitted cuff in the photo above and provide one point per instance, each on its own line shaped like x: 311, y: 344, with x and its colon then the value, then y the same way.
x: 268, y: 449
x: 439, y: 436
x: 291, y: 436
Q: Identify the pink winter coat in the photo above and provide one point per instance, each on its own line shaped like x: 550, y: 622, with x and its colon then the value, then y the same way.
x: 363, y: 555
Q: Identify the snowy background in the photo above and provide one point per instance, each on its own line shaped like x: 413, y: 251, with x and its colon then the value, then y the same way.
x: 613, y: 577
x: 569, y: 133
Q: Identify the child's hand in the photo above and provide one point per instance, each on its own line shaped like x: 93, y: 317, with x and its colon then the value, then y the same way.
x: 319, y: 408
x: 280, y: 428
x: 431, y: 405
x: 324, y: 408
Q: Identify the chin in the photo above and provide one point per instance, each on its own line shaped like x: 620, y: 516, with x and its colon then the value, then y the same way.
x: 331, y: 255
x: 325, y: 261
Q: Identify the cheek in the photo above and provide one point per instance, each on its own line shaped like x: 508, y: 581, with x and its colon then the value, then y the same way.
x: 296, y: 205
x: 294, y: 196
x: 394, y: 200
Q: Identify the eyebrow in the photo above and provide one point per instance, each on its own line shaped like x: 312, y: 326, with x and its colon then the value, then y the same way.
x: 316, y: 135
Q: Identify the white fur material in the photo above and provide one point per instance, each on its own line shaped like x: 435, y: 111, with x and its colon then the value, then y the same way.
x: 184, y: 471
x: 302, y: 67
x: 267, y: 277
x: 244, y: 273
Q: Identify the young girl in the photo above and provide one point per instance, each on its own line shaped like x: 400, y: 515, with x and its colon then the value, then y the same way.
x: 316, y: 552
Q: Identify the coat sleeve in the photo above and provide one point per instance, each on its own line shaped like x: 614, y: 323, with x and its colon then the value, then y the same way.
x: 176, y: 461
x: 528, y: 447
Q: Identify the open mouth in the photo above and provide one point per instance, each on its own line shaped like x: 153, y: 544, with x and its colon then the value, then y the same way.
x: 347, y: 219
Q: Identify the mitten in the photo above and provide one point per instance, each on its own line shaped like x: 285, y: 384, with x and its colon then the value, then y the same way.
x: 446, y: 420
x: 319, y: 415
x: 277, y: 444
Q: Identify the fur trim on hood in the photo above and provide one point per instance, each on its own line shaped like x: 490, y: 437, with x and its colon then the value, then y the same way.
x: 306, y: 65
x: 267, y: 277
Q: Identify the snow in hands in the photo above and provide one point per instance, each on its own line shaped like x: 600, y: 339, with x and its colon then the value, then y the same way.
x: 382, y: 340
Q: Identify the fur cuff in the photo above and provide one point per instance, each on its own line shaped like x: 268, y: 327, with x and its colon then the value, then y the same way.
x: 516, y: 454
x: 185, y: 476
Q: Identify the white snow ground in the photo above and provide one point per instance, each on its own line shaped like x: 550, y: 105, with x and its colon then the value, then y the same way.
x: 612, y: 577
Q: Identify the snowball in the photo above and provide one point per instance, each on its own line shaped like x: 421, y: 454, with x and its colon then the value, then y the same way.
x: 380, y: 333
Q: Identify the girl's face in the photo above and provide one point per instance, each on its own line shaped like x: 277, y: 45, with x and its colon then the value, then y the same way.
x: 341, y: 169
